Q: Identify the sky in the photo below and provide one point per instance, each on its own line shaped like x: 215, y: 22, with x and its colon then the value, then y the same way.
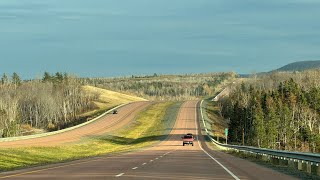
x: 107, y: 38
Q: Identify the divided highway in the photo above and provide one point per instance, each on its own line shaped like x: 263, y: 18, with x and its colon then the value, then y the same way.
x: 103, y: 125
x: 166, y: 160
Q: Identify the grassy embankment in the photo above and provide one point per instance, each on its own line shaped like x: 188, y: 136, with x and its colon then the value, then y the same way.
x: 215, y: 123
x: 108, y: 99
x: 149, y: 127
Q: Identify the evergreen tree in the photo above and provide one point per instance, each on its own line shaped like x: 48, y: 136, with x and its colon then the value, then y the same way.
x: 47, y: 77
x: 5, y: 79
x: 58, y: 77
x: 16, y: 79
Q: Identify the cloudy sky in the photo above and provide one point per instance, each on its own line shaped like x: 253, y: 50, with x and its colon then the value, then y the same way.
x: 123, y: 37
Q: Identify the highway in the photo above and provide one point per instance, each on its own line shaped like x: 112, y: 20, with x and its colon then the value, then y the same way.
x: 106, y: 124
x: 165, y: 160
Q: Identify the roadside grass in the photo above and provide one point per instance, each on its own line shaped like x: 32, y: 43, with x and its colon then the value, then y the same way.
x: 108, y: 99
x: 148, y: 128
x: 215, y: 123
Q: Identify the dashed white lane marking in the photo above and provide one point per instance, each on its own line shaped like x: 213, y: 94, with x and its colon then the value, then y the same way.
x: 135, y: 168
x: 144, y: 164
x: 157, y: 158
x: 161, y: 156
x: 119, y: 175
x: 151, y: 160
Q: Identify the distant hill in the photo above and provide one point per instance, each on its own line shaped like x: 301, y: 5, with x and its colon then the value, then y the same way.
x: 300, y: 66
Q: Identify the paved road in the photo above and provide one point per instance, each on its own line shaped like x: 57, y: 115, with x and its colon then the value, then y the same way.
x: 108, y: 123
x: 166, y: 160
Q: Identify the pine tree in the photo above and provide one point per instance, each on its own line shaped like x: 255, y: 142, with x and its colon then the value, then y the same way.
x: 58, y: 77
x: 47, y: 77
x: 16, y: 79
x: 5, y: 80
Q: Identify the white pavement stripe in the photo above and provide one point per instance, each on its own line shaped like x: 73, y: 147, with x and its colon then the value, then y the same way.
x: 135, y: 168
x: 151, y: 160
x: 119, y: 175
x: 144, y: 164
x: 226, y: 169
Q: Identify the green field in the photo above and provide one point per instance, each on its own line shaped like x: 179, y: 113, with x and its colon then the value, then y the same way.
x: 148, y: 128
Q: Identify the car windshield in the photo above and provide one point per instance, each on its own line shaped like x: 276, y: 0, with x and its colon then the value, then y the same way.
x: 187, y: 137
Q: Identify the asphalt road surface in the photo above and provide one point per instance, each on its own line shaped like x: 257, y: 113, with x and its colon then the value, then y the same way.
x: 166, y: 160
x: 108, y: 123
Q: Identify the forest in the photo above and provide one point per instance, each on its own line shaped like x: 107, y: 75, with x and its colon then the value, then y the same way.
x: 50, y: 103
x: 278, y: 111
x: 165, y: 87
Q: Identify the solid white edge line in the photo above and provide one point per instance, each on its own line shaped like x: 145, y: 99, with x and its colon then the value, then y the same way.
x: 196, y: 122
x: 120, y: 175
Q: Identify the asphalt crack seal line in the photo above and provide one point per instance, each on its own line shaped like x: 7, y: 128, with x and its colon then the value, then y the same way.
x: 226, y: 169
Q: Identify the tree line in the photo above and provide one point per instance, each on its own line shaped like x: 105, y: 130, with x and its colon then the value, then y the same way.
x: 49, y: 103
x: 164, y: 87
x: 284, y: 115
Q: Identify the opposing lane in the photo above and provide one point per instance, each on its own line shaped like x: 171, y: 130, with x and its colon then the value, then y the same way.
x: 166, y: 160
x: 106, y: 124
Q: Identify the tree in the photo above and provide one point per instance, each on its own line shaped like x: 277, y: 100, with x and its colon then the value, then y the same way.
x: 16, y: 79
x: 59, y: 77
x: 259, y: 125
x: 47, y: 77
x: 5, y: 80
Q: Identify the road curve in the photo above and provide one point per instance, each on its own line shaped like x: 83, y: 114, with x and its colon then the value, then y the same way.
x: 166, y: 160
x: 108, y: 123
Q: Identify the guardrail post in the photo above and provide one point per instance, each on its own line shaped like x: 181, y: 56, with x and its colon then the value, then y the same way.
x: 305, y: 166
x: 284, y: 162
x: 300, y: 166
x: 275, y: 160
x: 293, y: 164
x: 266, y: 158
x: 315, y: 169
x: 309, y: 168
x: 259, y: 156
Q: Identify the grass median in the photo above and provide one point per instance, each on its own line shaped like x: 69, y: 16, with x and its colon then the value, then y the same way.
x: 149, y: 127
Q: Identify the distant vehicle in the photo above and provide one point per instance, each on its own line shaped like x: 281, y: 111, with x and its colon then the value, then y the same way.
x: 115, y: 112
x: 187, y: 139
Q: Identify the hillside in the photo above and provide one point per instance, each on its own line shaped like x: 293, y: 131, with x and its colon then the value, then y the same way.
x: 108, y: 99
x: 166, y: 87
x: 300, y: 66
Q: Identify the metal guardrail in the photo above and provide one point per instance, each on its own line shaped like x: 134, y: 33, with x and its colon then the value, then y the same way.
x: 312, y: 158
x: 58, y: 132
